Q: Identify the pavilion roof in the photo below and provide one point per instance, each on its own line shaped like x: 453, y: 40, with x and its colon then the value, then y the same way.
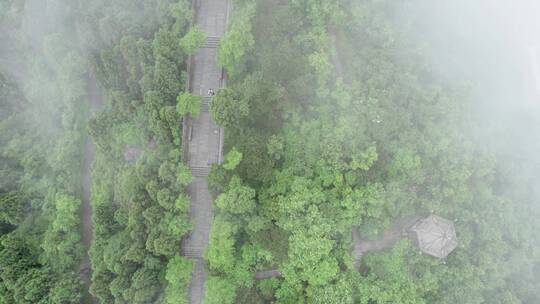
x: 435, y: 236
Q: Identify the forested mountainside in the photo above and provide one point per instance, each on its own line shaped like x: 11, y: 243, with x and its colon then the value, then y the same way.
x: 140, y: 207
x: 52, y: 49
x: 338, y: 115
x: 42, y: 117
x: 335, y: 118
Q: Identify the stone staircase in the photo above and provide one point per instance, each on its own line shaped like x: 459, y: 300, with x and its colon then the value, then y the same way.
x: 205, y: 105
x: 196, y: 286
x: 200, y: 171
x: 193, y: 252
x: 204, y: 139
x: 211, y: 43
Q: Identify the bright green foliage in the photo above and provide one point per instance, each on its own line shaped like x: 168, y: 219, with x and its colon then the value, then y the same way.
x: 15, y: 261
x: 320, y: 62
x: 227, y: 108
x: 238, y: 199
x: 66, y: 213
x: 182, y: 14
x: 11, y: 208
x: 334, y: 120
x: 391, y: 280
x: 365, y: 159
x: 140, y: 207
x: 67, y: 289
x: 33, y: 287
x: 309, y: 258
x: 339, y: 292
x: 163, y: 119
x: 219, y: 291
x: 183, y: 175
x: 188, y: 104
x: 232, y: 159
x: 167, y: 52
x: 238, y: 40
x: 193, y: 40
x: 42, y: 121
x: 220, y: 252
x: 178, y: 276
x: 318, y: 12
x: 61, y: 240
x: 24, y: 281
x: 348, y: 126
x: 275, y: 147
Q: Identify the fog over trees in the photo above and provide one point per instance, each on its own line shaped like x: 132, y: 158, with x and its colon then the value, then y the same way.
x: 341, y: 118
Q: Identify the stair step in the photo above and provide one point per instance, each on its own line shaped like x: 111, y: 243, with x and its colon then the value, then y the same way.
x: 357, y: 261
x: 209, y: 45
x: 200, y: 171
x: 193, y: 252
x: 211, y: 42
x: 205, y: 105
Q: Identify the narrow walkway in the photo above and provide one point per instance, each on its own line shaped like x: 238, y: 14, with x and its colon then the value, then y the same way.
x: 361, y: 246
x: 203, y: 138
x: 386, y: 240
x: 267, y: 274
x: 95, y: 98
x: 335, y: 54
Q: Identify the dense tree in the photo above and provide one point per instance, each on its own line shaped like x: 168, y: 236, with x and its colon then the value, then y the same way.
x: 334, y: 119
x: 232, y: 159
x: 67, y: 289
x: 140, y: 208
x: 238, y: 199
x: 390, y: 278
x: 43, y: 109
x: 228, y: 107
x: 12, y: 208
x: 238, y: 40
x: 193, y: 40
x: 188, y: 104
x: 178, y: 277
x: 219, y: 291
x: 220, y: 252
x: 61, y: 242
x: 327, y: 146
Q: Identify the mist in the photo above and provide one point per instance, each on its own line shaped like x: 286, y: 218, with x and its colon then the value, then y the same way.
x: 490, y: 51
x: 492, y: 48
x: 44, y: 70
x: 334, y: 127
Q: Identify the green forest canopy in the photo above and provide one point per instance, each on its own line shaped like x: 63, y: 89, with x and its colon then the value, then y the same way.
x: 334, y: 119
x: 348, y: 126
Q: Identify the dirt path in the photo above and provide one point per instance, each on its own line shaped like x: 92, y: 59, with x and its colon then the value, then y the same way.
x: 335, y: 55
x: 267, y: 274
x: 387, y: 239
x: 95, y: 98
x: 360, y: 246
